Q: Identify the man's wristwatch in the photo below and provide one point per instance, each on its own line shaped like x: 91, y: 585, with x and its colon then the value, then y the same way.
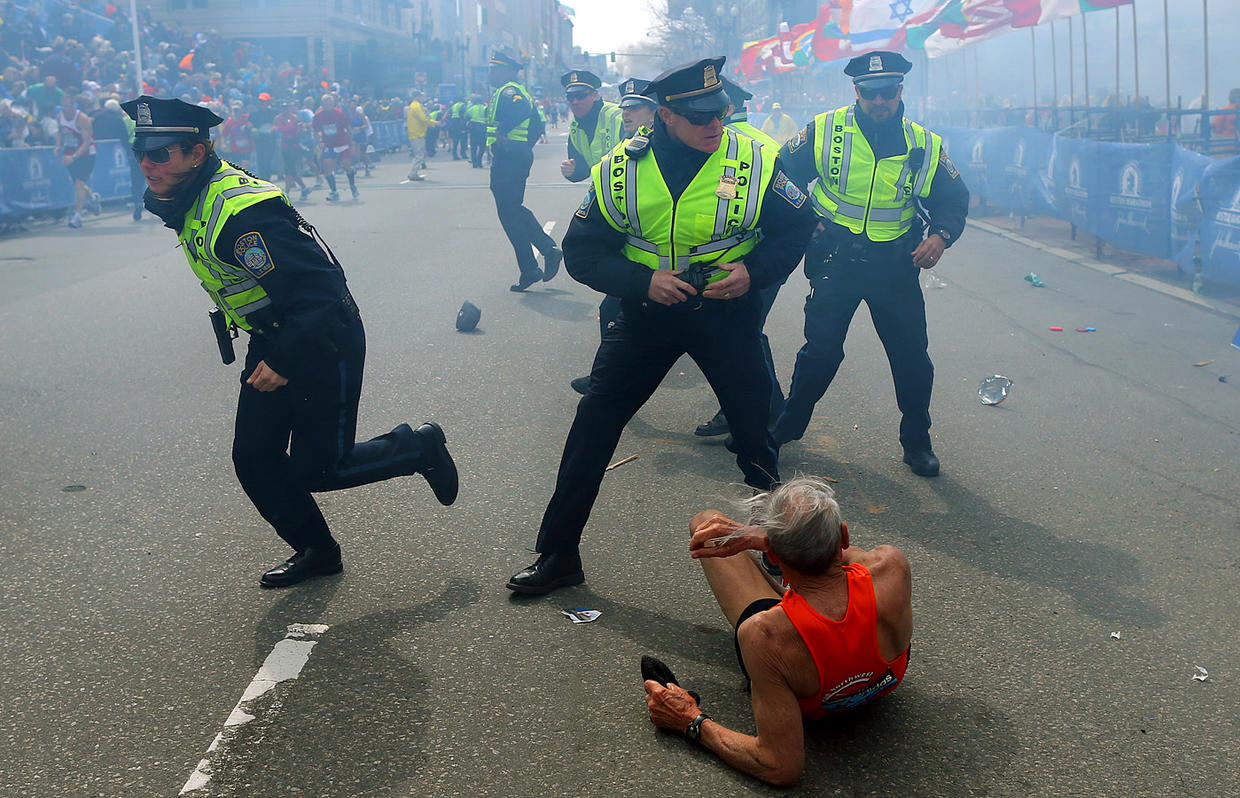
x: 694, y: 732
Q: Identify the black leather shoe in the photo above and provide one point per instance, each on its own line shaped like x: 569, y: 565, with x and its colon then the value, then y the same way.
x: 551, y: 263
x: 304, y: 565
x: 924, y: 463
x: 718, y: 425
x: 438, y: 468
x: 581, y: 384
x: 526, y: 281
x: 549, y: 571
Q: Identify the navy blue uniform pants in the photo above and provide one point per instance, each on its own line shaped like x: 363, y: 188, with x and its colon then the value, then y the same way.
x: 298, y: 439
x: 510, y: 167
x: 893, y: 295
x: 477, y: 142
x: 635, y: 355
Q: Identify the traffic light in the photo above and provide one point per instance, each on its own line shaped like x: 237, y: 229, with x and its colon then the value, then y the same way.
x: 613, y: 58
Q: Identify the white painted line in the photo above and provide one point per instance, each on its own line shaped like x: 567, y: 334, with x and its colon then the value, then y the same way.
x: 283, y: 664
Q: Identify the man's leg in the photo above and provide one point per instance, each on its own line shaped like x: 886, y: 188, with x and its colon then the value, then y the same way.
x: 899, y: 316
x: 829, y: 309
x: 508, y: 174
x: 631, y: 362
x: 727, y: 350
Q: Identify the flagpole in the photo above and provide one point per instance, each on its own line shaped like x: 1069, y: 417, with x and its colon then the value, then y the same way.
x: 1033, y: 49
x: 1136, y: 62
x: 137, y: 45
x: 1054, y: 78
x: 1117, y: 56
x: 1085, y: 58
x: 1205, y: 53
x: 1167, y: 60
x: 1071, y: 75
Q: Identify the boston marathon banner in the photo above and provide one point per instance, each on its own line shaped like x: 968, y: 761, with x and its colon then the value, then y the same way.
x: 1151, y: 199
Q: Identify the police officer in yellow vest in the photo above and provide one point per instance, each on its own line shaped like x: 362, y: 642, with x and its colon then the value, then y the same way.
x: 262, y: 265
x: 597, y: 126
x: 510, y: 116
x: 738, y: 120
x: 876, y: 172
x: 685, y: 228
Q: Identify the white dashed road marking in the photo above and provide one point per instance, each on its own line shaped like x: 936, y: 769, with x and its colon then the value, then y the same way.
x: 283, y: 664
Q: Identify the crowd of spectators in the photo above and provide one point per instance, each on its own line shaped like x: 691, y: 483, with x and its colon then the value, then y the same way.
x: 48, y: 47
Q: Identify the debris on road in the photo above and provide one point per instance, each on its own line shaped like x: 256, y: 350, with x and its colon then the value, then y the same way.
x: 1201, y: 674
x: 1115, y: 635
x: 619, y: 463
x: 1056, y: 329
x: 468, y: 316
x: 1034, y: 280
x: 1087, y: 329
x: 1203, y: 363
x: 933, y: 281
x: 581, y: 614
x: 994, y: 389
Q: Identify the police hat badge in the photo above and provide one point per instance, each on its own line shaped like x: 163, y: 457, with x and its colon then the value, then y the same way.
x: 468, y: 316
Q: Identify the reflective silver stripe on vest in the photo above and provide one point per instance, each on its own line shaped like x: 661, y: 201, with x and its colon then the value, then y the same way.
x: 232, y: 289
x: 886, y: 214
x: 258, y: 304
x: 218, y: 206
x: 754, y: 199
x: 665, y: 262
x: 822, y: 210
x: 721, y: 207
x: 723, y: 243
x: 846, y: 159
x: 847, y: 208
x: 910, y: 144
x: 630, y: 194
x: 920, y: 185
x: 608, y: 204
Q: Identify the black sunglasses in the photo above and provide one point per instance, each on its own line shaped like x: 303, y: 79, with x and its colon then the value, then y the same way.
x: 162, y: 155
x: 886, y: 92
x: 703, y: 118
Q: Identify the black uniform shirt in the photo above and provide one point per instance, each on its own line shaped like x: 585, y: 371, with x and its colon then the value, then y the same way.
x: 588, y: 124
x: 593, y: 248
x: 305, y: 287
x: 947, y: 204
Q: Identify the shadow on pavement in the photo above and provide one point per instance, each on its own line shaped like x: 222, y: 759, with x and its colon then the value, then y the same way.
x: 354, y: 721
x: 553, y: 306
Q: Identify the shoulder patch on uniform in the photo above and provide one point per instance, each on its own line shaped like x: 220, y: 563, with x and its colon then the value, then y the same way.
x: 583, y: 210
x: 251, y: 252
x: 796, y: 143
x: 947, y: 164
x: 785, y: 188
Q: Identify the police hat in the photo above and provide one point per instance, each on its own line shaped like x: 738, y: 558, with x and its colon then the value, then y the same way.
x: 691, y: 87
x: 580, y: 81
x: 877, y: 69
x: 500, y: 59
x: 468, y: 316
x: 633, y: 92
x: 738, y: 95
x: 161, y: 122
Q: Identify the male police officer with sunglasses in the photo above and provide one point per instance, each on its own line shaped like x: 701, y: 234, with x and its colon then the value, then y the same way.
x: 876, y: 174
x: 268, y: 275
x: 686, y: 227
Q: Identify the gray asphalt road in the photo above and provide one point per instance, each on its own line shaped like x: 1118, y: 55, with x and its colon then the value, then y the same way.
x: 1100, y: 498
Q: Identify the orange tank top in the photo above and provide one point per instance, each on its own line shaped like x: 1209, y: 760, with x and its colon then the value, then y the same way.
x: 851, y: 671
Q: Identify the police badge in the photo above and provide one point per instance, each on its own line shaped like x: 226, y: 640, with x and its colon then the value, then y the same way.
x: 727, y: 188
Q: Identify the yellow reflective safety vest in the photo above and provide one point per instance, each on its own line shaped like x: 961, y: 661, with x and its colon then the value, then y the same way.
x: 608, y: 132
x: 865, y: 196
x: 520, y: 132
x: 714, y: 221
x: 235, y: 291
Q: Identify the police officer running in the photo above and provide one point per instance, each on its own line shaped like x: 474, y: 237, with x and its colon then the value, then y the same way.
x: 510, y: 116
x: 876, y: 172
x: 597, y: 126
x: 684, y: 287
x: 264, y: 267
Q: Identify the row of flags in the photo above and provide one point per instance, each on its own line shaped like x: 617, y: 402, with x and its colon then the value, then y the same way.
x: 846, y: 28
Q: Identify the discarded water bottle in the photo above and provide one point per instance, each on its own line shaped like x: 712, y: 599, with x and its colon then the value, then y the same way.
x: 933, y: 281
x: 1034, y: 280
x: 994, y: 389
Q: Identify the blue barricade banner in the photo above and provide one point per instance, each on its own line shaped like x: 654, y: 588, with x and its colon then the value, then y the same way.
x: 1219, y: 190
x: 111, y: 178
x: 389, y: 134
x: 34, y: 179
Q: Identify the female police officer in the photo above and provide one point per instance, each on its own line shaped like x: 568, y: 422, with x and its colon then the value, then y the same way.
x: 268, y: 275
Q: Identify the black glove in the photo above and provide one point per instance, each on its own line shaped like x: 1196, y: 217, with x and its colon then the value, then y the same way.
x: 656, y: 670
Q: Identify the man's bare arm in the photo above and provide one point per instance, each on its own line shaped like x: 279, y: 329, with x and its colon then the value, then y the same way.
x: 777, y: 754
